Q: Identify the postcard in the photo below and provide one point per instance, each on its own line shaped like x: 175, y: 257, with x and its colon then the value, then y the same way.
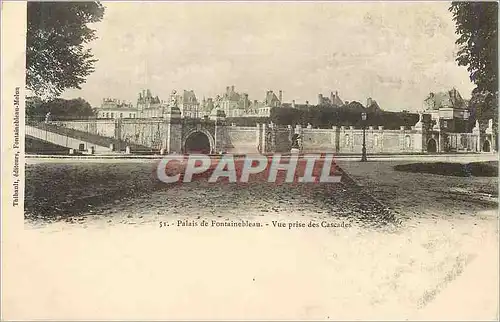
x: 280, y: 160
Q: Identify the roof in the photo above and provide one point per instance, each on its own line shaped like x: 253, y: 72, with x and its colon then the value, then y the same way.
x: 188, y: 96
x: 271, y: 98
x: 374, y: 105
x: 336, y: 100
x: 451, y: 98
x: 146, y: 96
x: 231, y: 95
x: 256, y: 105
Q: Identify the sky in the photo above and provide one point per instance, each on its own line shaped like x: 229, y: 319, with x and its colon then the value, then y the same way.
x: 396, y: 53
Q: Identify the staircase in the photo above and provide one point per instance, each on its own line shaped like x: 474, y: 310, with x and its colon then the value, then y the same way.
x: 74, y: 139
x: 61, y: 139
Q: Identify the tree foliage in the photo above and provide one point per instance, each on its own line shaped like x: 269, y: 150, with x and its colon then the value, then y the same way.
x: 60, y: 109
x: 56, y: 57
x: 476, y: 27
x: 483, y: 106
x: 350, y: 115
x: 247, y: 121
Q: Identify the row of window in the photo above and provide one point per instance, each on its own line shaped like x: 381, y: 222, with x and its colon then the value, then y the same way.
x: 112, y: 115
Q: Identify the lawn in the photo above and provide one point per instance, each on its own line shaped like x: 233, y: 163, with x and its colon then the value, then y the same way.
x: 476, y: 169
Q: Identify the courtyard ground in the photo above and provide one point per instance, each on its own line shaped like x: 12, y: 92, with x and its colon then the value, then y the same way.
x: 442, y: 245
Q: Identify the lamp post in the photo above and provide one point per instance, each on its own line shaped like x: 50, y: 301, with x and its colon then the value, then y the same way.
x: 363, y: 150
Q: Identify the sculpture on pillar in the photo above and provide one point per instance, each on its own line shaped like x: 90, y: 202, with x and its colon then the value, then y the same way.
x: 437, y: 124
x: 296, y: 142
x: 173, y: 99
x: 490, y: 129
x: 218, y: 100
x: 48, y: 117
x: 419, y: 124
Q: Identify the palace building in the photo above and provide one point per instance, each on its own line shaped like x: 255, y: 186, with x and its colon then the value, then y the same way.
x: 447, y: 108
x: 114, y: 108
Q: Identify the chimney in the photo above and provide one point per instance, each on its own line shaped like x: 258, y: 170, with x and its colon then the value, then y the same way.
x: 281, y: 96
x: 293, y: 103
x: 307, y: 103
x: 227, y: 89
x: 369, y: 102
x: 320, y: 99
x: 232, y: 88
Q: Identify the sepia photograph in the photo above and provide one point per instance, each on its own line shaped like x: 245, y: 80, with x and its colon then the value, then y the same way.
x: 279, y: 160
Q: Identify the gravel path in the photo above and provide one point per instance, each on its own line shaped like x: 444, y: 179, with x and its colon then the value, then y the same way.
x: 128, y: 193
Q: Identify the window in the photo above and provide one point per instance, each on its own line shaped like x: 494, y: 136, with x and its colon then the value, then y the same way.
x: 407, y: 141
x: 445, y: 123
x: 112, y: 115
x: 121, y: 115
x: 107, y: 115
x: 375, y: 140
x: 347, y: 142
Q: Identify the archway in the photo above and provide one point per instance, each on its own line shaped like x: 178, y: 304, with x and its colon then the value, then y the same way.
x: 431, y: 145
x: 197, y: 143
x: 486, y: 146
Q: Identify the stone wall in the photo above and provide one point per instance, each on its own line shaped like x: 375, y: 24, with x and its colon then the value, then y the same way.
x: 314, y: 140
x: 461, y: 142
x: 265, y: 138
x: 239, y: 139
x: 350, y: 140
x: 99, y: 127
x: 150, y: 133
x: 268, y: 138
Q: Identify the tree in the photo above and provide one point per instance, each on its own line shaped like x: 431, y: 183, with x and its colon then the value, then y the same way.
x: 482, y: 107
x: 476, y: 26
x: 59, y: 108
x: 56, y: 58
x: 350, y: 115
x: 357, y: 106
